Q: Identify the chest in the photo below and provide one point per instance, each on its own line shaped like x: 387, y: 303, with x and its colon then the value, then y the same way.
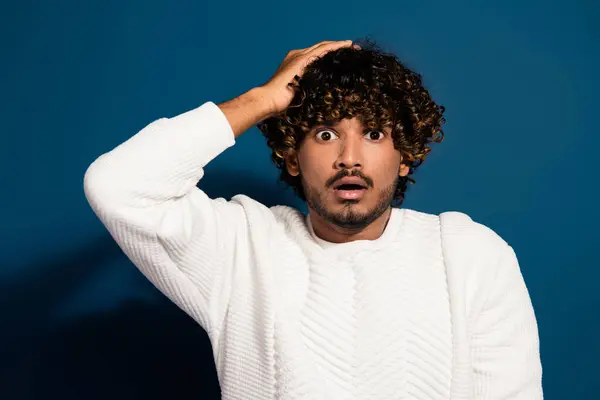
x: 373, y: 320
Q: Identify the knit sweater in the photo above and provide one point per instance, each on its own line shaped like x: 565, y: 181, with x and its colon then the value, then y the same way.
x: 435, y: 308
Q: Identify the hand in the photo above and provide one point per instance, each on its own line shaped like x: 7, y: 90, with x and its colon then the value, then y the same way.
x: 277, y: 91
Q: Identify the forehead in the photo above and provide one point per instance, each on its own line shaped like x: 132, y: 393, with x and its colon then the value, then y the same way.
x: 355, y: 123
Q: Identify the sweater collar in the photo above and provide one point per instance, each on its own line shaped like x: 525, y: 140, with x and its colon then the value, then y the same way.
x: 350, y: 249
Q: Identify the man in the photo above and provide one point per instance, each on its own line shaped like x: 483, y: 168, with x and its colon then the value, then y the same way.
x: 357, y: 299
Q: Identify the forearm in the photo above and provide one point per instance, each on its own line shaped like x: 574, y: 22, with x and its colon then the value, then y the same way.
x: 247, y: 110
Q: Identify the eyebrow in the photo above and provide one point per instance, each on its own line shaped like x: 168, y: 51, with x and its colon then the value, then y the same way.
x: 330, y: 123
x: 333, y: 123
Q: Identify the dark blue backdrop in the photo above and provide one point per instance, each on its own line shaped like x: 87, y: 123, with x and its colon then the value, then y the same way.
x: 518, y: 78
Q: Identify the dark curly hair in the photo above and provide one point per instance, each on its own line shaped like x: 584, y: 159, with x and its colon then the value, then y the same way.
x: 366, y: 83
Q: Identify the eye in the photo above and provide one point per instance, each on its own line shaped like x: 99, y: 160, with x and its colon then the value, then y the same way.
x: 375, y: 135
x: 326, y: 135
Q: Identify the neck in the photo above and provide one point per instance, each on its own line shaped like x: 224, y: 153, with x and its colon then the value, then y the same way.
x: 336, y: 234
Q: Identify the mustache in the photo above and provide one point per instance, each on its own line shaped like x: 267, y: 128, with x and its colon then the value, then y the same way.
x: 344, y: 173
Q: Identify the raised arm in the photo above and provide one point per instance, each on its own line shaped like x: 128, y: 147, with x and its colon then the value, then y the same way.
x: 144, y: 191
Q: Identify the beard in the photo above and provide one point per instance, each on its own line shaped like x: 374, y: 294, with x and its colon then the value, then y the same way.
x: 349, y: 217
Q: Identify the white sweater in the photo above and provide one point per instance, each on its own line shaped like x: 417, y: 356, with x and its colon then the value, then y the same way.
x: 435, y: 308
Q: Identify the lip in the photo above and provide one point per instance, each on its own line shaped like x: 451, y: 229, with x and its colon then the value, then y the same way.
x: 355, y: 194
x: 351, y: 194
x: 350, y: 180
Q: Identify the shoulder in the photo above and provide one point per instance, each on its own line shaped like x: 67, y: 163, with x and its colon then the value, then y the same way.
x: 469, y: 248
x: 473, y: 253
x: 470, y: 237
x: 269, y: 219
x: 289, y: 218
x: 456, y: 227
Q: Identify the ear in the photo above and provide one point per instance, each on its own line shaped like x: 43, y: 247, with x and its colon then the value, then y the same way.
x: 404, y: 170
x: 291, y: 163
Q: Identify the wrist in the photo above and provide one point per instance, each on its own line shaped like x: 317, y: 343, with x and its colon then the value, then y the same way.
x: 247, y: 110
x: 262, y: 101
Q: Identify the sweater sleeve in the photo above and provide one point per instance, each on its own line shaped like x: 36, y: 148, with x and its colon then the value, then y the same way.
x: 506, y: 356
x: 144, y: 192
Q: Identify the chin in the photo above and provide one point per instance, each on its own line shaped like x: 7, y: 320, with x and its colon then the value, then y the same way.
x: 357, y: 207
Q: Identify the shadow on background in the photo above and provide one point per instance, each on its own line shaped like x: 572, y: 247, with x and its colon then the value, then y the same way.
x: 139, y: 349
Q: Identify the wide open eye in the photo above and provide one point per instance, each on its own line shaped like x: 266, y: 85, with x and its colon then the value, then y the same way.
x: 326, y: 135
x: 375, y: 135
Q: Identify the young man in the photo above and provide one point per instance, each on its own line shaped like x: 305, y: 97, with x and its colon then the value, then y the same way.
x: 357, y: 299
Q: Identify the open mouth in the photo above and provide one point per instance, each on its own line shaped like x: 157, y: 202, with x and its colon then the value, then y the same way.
x: 350, y: 191
x: 350, y: 186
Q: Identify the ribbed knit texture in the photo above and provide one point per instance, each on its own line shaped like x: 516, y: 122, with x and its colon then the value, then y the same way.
x: 436, y: 308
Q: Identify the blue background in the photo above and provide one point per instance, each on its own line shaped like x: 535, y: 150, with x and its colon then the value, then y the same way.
x: 518, y: 78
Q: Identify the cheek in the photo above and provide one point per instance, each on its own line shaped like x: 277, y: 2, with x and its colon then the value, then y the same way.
x: 315, y: 168
x: 385, y: 170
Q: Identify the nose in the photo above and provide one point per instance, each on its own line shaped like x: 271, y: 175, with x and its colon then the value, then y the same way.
x: 350, y: 154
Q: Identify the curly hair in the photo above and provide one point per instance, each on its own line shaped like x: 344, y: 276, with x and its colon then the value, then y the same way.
x: 366, y: 83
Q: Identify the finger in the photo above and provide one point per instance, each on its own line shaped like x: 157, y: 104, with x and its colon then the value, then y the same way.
x: 306, y: 50
x: 327, y: 47
x: 323, y: 44
x: 292, y: 53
